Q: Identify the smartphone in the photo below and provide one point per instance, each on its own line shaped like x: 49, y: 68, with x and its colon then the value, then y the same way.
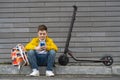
x: 42, y: 43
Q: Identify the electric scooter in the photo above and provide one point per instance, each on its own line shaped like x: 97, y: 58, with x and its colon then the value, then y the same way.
x: 64, y: 60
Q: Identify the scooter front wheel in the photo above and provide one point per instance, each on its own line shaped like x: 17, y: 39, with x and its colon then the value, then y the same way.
x: 63, y: 60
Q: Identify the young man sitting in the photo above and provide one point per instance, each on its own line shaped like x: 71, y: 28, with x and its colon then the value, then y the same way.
x: 41, y: 51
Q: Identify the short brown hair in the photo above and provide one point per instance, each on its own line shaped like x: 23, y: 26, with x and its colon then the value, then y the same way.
x: 42, y: 27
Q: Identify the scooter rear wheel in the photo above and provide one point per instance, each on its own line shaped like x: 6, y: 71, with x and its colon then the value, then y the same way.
x: 107, y: 60
x: 63, y: 60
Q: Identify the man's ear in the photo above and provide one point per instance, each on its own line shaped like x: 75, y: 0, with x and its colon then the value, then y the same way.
x: 46, y: 33
x: 37, y: 33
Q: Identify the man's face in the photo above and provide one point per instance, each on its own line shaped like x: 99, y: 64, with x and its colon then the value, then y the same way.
x: 42, y: 35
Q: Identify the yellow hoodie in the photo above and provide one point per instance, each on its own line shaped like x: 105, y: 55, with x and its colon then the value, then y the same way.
x: 35, y: 42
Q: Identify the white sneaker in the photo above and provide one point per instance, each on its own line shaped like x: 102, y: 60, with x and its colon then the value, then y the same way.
x: 35, y: 73
x: 50, y: 73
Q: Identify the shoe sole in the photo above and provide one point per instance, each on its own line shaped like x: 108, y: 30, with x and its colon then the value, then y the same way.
x: 50, y: 75
x: 32, y: 75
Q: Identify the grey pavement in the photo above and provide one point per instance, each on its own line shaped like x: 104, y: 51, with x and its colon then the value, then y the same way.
x: 60, y: 77
x: 62, y: 70
x: 9, y: 72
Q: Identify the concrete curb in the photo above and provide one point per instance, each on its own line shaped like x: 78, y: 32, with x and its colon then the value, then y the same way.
x: 92, y: 70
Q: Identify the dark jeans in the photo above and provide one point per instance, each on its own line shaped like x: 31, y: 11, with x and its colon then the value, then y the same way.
x: 36, y: 59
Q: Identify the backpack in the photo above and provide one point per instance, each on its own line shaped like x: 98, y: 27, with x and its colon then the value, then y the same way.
x: 18, y: 56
